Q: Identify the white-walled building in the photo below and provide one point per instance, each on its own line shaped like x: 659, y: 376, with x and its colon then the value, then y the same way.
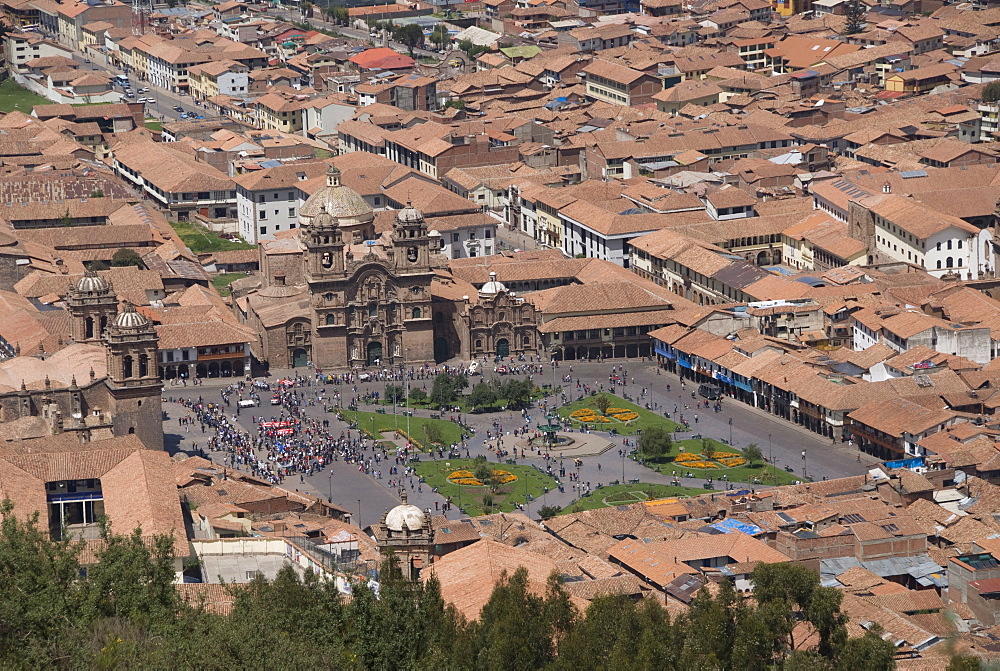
x: 906, y: 230
x: 268, y: 201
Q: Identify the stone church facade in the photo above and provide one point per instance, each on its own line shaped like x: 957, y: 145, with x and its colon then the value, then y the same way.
x: 339, y: 296
x: 104, y: 384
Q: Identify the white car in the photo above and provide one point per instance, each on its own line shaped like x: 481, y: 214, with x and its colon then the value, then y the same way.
x: 146, y: 100
x: 143, y: 90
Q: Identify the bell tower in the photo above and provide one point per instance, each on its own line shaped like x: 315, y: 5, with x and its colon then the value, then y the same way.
x: 92, y: 305
x: 133, y: 377
x: 324, y: 243
x: 410, y: 240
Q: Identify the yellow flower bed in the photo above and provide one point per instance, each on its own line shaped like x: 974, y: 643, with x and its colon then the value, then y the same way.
x: 582, y: 412
x: 687, y: 456
x: 732, y: 462
x: 504, y: 477
x: 615, y: 411
x: 461, y: 474
x: 701, y: 464
x: 725, y: 455
x: 469, y: 482
x: 625, y: 416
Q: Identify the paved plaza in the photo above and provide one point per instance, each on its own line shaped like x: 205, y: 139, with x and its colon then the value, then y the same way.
x: 602, y: 454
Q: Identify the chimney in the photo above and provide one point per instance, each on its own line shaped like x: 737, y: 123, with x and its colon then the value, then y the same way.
x: 887, y: 188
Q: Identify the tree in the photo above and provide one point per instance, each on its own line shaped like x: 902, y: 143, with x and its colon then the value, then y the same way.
x: 457, y: 104
x: 97, y: 193
x: 447, y: 387
x: 307, y: 10
x: 548, y: 512
x: 418, y: 396
x: 341, y: 16
x: 787, y: 593
x: 991, y: 92
x: 439, y: 36
x: 655, y: 441
x: 67, y: 219
x: 433, y: 432
x: 513, y: 630
x: 471, y: 49
x: 855, y: 17
x: 126, y: 257
x: 410, y: 35
x: 603, y: 403
x: 482, y: 395
x: 708, y: 450
x: 394, y: 393
x: 516, y: 392
x: 753, y: 454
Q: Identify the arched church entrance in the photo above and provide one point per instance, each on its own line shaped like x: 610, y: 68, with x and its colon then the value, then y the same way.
x: 374, y: 353
x: 440, y: 350
x: 299, y: 358
x: 503, y: 348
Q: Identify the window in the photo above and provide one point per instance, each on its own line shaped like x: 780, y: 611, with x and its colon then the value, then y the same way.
x: 262, y: 214
x: 959, y: 244
x: 949, y: 244
x: 263, y: 230
x: 260, y: 198
x: 488, y: 234
x: 416, y: 313
x: 291, y: 212
x: 950, y: 262
x: 330, y: 320
x: 454, y: 237
x: 373, y: 309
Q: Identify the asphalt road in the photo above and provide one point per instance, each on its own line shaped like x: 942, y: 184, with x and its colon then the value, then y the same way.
x: 368, y: 498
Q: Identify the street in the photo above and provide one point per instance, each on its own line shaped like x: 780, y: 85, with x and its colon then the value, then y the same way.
x: 368, y: 498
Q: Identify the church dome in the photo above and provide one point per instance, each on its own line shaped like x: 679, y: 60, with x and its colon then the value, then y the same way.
x: 128, y: 318
x: 409, y: 215
x: 493, y: 286
x: 338, y: 200
x: 404, y: 515
x: 91, y: 282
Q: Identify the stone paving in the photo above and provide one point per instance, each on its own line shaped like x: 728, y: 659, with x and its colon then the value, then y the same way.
x: 368, y: 498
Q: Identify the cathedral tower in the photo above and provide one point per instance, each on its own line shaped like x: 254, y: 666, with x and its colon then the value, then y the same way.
x: 92, y: 305
x: 133, y: 377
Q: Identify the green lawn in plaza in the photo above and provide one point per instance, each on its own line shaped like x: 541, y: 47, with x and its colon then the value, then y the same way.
x: 623, y: 495
x: 13, y: 96
x: 373, y: 424
x: 766, y: 475
x: 646, y: 417
x: 476, y: 500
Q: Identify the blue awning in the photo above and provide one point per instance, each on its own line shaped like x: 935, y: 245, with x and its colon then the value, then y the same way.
x: 723, y: 378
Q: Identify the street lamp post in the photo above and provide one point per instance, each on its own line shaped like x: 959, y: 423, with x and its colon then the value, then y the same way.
x: 331, y: 487
x: 805, y: 465
x: 730, y: 431
x: 359, y: 514
x: 770, y: 452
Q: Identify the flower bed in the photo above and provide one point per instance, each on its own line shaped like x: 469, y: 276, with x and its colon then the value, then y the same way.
x: 626, y: 416
x: 615, y: 411
x: 701, y: 464
x: 732, y: 462
x: 582, y: 412
x: 686, y: 456
x: 504, y: 477
x: 466, y: 478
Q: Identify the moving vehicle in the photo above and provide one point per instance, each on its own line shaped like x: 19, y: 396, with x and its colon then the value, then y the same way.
x: 275, y: 400
x: 710, y: 391
x: 247, y: 403
x: 143, y: 90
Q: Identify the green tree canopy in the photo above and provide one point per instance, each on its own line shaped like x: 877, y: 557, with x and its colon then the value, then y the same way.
x: 127, y: 257
x: 655, y: 441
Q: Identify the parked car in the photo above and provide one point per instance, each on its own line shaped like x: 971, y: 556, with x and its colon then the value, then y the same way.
x: 144, y: 90
x: 146, y: 100
x: 178, y: 108
x: 184, y: 115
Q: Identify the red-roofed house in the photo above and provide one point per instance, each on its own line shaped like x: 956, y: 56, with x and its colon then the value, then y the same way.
x: 381, y: 59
